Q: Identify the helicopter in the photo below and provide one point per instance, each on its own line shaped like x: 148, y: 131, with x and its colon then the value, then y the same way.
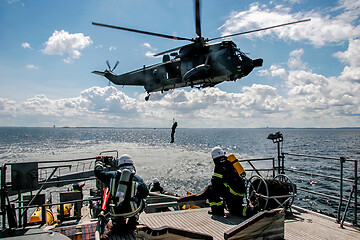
x: 198, y: 64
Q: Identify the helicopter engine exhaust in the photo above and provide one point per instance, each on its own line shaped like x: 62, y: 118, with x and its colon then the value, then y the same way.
x: 257, y: 62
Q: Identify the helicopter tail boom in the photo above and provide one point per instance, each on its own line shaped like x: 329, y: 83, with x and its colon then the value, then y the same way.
x: 124, y: 79
x: 98, y: 73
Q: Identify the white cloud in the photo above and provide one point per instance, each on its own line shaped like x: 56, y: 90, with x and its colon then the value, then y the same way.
x: 147, y: 45
x: 352, y: 54
x: 308, y: 100
x: 151, y: 52
x: 111, y: 107
x: 351, y: 57
x: 295, y: 61
x: 16, y: 1
x: 32, y: 66
x: 112, y: 48
x: 26, y: 45
x: 64, y: 43
x: 315, y: 96
x: 278, y: 71
x: 319, y: 31
x: 309, y: 96
x: 7, y: 107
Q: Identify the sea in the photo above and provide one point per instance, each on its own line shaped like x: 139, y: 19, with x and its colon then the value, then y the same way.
x: 186, y: 164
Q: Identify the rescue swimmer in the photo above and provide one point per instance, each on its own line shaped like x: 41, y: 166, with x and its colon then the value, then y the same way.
x: 125, y: 192
x: 227, y: 188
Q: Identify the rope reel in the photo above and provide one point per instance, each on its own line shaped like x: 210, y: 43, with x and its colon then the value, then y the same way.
x: 278, y: 192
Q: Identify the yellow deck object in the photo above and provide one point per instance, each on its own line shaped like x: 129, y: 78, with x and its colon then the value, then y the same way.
x: 67, y: 209
x: 36, y: 216
x: 189, y: 206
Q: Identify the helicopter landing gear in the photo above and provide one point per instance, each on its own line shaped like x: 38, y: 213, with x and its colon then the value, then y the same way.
x: 147, y: 97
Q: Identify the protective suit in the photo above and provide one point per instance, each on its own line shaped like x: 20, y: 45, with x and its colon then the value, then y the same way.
x: 226, y: 188
x: 127, y: 191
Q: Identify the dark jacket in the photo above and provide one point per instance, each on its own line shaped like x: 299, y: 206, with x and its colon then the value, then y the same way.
x: 105, y: 176
x: 225, y: 180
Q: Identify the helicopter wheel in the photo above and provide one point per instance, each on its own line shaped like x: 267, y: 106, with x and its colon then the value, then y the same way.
x: 147, y: 97
x: 258, y: 192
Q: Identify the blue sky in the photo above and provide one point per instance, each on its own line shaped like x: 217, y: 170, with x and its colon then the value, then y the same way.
x: 310, y: 76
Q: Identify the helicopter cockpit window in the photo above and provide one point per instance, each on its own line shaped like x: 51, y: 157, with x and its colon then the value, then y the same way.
x: 239, y: 53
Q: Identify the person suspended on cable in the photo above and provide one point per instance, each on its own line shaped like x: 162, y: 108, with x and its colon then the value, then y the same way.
x: 125, y: 192
x: 174, y: 126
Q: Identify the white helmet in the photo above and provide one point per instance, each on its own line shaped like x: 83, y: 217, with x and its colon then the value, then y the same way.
x: 124, y: 161
x: 217, y: 152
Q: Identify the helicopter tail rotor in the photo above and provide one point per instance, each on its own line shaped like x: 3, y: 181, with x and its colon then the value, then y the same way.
x: 108, y: 64
x: 109, y: 67
x: 117, y: 62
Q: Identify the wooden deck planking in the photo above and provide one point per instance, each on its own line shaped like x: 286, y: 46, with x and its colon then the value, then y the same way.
x: 305, y: 224
x: 301, y: 224
x: 196, y: 220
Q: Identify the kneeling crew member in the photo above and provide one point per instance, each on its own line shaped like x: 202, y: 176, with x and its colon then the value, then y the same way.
x: 226, y: 184
x: 226, y: 187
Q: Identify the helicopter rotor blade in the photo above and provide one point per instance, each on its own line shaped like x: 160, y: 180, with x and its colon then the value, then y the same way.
x: 108, y: 64
x: 115, y: 65
x: 142, y: 32
x: 167, y: 51
x: 260, y: 29
x: 197, y: 18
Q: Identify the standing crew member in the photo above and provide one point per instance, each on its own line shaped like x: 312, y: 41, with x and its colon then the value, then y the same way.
x: 226, y: 187
x: 127, y: 192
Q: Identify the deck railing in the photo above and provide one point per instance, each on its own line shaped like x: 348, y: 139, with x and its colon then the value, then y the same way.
x: 274, y: 167
x: 351, y: 200
x: 57, y: 174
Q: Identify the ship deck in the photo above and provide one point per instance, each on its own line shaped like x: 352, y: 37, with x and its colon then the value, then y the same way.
x: 305, y: 224
x: 300, y: 224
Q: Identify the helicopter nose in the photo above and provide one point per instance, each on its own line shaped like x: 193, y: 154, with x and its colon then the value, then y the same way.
x: 257, y: 62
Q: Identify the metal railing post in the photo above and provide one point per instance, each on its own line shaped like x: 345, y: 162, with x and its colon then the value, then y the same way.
x: 3, y: 185
x: 273, y: 161
x: 355, y: 192
x: 342, y: 160
x: 279, y: 158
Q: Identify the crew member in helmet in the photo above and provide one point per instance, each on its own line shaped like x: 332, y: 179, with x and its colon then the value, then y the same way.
x: 156, y: 187
x: 226, y: 187
x: 127, y: 191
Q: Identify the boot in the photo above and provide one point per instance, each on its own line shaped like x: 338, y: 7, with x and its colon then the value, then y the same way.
x: 217, y: 210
